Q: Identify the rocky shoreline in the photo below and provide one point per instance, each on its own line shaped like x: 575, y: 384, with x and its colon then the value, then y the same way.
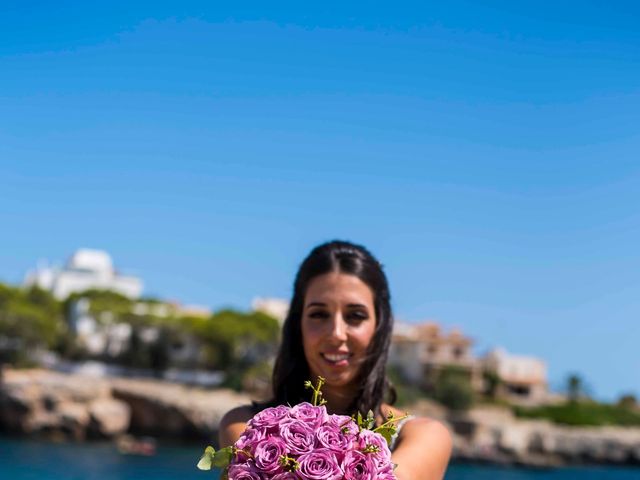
x: 56, y: 405
x: 494, y: 435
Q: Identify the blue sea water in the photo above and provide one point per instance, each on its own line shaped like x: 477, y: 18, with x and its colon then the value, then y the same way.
x: 22, y: 459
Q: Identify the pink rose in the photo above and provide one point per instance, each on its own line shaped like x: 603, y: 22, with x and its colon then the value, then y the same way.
x: 298, y: 436
x: 331, y: 437
x: 324, y: 447
x: 368, y: 440
x: 359, y: 466
x: 321, y: 464
x: 269, y: 418
x: 386, y: 473
x: 307, y: 413
x: 285, y: 476
x: 267, y: 454
x: 344, y: 423
x: 248, y: 441
x: 244, y: 471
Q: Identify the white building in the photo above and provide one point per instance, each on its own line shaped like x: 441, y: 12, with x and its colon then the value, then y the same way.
x: 109, y: 338
x: 86, y: 269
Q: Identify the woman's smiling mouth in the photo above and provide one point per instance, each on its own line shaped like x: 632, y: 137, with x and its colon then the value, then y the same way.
x: 337, y: 359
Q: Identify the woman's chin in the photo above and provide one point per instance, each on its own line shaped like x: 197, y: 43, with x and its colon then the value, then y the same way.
x: 337, y: 379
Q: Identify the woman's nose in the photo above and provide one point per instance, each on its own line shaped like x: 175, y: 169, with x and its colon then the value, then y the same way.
x: 339, y: 328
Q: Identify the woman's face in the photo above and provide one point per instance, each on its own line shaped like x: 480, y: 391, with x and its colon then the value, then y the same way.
x: 338, y: 324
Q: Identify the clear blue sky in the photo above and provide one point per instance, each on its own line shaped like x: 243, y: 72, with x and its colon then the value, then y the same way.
x: 489, y: 155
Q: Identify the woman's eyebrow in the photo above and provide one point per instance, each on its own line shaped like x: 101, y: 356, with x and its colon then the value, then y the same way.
x: 316, y: 304
x: 356, y: 305
x: 321, y: 304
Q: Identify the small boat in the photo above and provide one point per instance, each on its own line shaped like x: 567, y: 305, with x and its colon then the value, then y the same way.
x: 130, y: 445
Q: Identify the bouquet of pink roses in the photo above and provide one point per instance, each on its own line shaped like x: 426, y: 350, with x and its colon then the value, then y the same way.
x: 304, y: 442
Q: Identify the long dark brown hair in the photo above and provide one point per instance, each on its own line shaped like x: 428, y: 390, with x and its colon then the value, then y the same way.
x: 291, y: 368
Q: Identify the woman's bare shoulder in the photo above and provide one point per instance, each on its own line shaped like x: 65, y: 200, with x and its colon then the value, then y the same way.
x: 243, y: 413
x: 233, y: 423
x: 387, y: 409
x: 428, y: 429
x: 420, y: 425
x: 417, y: 436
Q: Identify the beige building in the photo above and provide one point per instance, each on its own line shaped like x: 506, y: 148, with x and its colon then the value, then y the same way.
x: 420, y: 352
x: 277, y: 308
x: 522, y: 379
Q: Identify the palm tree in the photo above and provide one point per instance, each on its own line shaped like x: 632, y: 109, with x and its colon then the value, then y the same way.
x: 575, y: 387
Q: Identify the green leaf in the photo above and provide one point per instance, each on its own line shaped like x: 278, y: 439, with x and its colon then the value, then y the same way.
x: 387, y: 433
x: 360, y: 421
x: 206, y: 461
x: 222, y: 457
x: 371, y: 420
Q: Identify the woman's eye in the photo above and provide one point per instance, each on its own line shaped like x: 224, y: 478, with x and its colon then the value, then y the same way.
x: 357, y: 317
x: 318, y: 314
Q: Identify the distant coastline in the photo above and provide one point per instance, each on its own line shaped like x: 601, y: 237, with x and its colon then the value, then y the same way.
x: 54, y: 405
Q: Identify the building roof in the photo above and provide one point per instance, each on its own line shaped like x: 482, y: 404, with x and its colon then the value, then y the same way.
x: 429, y: 332
x: 92, y: 260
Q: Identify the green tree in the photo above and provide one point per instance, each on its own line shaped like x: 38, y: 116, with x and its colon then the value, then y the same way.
x: 29, y: 319
x: 628, y: 401
x: 586, y: 413
x: 492, y: 383
x: 234, y: 342
x: 159, y: 351
x: 453, y: 389
x: 407, y: 392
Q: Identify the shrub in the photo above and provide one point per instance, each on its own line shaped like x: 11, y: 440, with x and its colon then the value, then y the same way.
x: 582, y: 414
x: 453, y: 389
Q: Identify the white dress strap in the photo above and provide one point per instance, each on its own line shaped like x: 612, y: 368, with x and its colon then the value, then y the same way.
x: 401, y: 423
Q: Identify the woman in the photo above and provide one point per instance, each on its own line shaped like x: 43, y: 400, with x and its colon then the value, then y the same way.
x: 339, y: 327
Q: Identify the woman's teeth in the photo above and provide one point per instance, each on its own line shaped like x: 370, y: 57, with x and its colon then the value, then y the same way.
x: 336, y: 357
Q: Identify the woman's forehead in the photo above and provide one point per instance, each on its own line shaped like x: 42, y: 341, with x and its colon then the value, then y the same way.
x: 335, y: 287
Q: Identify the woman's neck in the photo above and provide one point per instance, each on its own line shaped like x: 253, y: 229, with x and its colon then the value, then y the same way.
x: 339, y: 399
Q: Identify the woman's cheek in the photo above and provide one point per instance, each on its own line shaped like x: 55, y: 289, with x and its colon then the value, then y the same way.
x: 313, y: 331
